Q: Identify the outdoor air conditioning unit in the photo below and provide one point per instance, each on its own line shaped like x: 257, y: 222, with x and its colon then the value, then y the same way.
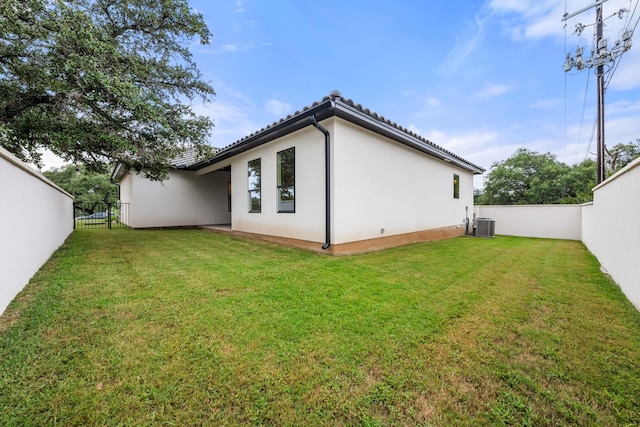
x: 484, y: 227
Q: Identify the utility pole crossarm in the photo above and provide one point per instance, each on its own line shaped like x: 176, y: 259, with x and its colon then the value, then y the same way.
x: 600, y: 55
x: 584, y: 9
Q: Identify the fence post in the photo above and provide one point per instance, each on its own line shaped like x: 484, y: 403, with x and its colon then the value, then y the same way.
x: 109, y: 214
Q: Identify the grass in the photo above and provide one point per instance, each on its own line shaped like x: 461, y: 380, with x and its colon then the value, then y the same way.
x: 186, y: 327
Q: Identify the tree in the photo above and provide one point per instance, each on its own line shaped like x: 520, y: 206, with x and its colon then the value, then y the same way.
x: 579, y: 182
x: 98, y: 81
x: 90, y: 189
x: 524, y: 178
x: 528, y: 177
x: 625, y: 154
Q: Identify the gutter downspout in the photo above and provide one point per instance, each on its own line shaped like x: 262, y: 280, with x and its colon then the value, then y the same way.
x: 327, y: 180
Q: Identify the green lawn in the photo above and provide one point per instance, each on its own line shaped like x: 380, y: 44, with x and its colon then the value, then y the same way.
x: 187, y: 327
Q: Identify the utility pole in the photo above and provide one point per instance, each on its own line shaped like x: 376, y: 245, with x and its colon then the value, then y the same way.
x: 600, y: 113
x: 600, y: 55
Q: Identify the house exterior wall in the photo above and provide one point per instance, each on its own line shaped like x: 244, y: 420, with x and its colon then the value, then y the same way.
x: 545, y: 221
x: 35, y: 219
x: 185, y: 199
x: 307, y: 223
x: 381, y: 184
x: 611, y: 228
x: 126, y: 195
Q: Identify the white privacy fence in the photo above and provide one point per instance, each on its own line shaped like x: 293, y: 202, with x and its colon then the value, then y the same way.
x: 37, y: 216
x: 609, y: 227
x: 545, y: 221
x: 35, y: 219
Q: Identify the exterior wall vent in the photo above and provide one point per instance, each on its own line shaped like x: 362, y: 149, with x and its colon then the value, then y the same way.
x: 484, y: 227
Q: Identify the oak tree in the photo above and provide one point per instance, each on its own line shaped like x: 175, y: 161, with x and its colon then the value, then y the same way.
x: 625, y: 153
x: 102, y: 81
x: 90, y: 190
x: 528, y: 177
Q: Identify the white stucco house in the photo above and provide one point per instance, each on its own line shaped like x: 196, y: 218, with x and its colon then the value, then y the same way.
x: 334, y: 177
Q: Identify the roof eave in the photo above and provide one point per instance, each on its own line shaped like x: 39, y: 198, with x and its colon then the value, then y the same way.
x: 337, y: 107
x: 118, y: 172
x: 282, y: 128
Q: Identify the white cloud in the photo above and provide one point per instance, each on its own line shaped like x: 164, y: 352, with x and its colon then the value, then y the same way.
x: 626, y: 75
x: 530, y: 19
x: 426, y: 100
x: 50, y: 161
x: 493, y: 90
x: 277, y: 108
x: 536, y: 19
x: 544, y: 104
x: 472, y: 145
x: 232, y: 122
x: 480, y: 147
x: 623, y: 108
x: 519, y: 6
x: 433, y: 102
x: 622, y: 130
x: 465, y: 44
x: 232, y: 113
x: 239, y: 6
x: 229, y: 48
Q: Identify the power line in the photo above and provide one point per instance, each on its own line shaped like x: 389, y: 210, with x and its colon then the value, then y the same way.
x: 593, y: 132
x: 584, y: 107
x: 627, y: 23
x: 601, y: 55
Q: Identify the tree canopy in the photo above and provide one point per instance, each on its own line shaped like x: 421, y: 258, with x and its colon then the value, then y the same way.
x: 625, y: 154
x: 528, y: 177
x: 98, y: 81
x: 89, y: 189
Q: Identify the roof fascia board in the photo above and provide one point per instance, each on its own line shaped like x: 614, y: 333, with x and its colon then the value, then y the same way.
x: 297, y: 122
x: 339, y: 108
x: 118, y: 173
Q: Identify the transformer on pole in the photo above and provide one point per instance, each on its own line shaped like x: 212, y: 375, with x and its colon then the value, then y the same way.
x: 600, y: 55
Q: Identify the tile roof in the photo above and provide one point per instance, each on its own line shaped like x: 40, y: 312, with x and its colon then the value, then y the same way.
x: 186, y: 159
x: 336, y: 104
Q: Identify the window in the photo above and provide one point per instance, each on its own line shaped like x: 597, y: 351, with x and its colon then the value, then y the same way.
x: 287, y: 180
x: 456, y: 186
x: 254, y: 185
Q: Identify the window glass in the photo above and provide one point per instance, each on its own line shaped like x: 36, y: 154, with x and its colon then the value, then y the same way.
x: 287, y: 180
x: 254, y: 185
x: 456, y: 186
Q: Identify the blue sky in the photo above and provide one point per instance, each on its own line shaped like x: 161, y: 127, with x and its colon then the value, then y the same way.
x: 480, y: 78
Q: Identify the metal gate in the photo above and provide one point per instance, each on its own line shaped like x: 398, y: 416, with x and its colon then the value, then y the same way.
x: 100, y: 215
